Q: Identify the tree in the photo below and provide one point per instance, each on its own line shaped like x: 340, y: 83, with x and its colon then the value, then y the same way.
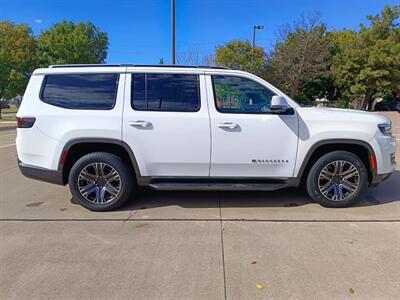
x: 366, y: 63
x: 17, y: 58
x: 161, y: 61
x: 190, y: 56
x: 209, y: 60
x: 239, y: 54
x: 300, y: 61
x: 193, y: 56
x: 69, y: 43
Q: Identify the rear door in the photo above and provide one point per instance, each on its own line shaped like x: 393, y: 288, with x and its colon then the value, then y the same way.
x: 247, y: 140
x: 166, y: 122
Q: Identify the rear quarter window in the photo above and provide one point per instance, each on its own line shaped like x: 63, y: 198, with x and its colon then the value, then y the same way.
x: 80, y: 91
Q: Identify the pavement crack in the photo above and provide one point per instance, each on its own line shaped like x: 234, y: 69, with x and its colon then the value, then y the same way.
x: 132, y: 212
x: 128, y: 219
x: 221, y: 230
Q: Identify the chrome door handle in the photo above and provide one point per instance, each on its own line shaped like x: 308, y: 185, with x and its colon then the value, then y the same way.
x: 228, y: 125
x: 140, y: 123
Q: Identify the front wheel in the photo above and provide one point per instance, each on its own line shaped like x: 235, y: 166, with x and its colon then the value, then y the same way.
x: 101, y: 181
x: 337, y: 179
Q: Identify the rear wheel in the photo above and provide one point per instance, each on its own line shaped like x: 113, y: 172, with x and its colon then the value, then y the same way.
x: 100, y: 181
x: 337, y: 179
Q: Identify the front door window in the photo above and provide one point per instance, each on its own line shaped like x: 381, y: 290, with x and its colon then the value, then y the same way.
x: 240, y: 95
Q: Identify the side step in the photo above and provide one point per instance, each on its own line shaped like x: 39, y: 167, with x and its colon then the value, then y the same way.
x: 204, y: 186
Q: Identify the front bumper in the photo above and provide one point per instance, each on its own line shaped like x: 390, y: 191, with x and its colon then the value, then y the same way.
x: 385, y: 153
x: 378, y: 178
x: 384, y: 147
x: 42, y: 174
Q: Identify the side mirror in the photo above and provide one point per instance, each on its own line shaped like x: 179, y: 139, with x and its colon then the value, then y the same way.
x: 279, y: 105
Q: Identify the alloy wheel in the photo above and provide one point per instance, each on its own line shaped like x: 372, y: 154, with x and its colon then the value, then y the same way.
x: 99, y: 183
x: 338, y: 180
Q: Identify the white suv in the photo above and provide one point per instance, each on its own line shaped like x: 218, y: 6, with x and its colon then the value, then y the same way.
x: 107, y: 130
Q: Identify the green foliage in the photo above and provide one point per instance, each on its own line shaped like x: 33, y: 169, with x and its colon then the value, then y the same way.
x: 161, y: 61
x: 299, y: 63
x: 17, y: 58
x: 320, y: 87
x: 367, y: 63
x: 238, y: 54
x: 349, y: 67
x: 308, y: 62
x: 69, y: 43
x: 229, y: 96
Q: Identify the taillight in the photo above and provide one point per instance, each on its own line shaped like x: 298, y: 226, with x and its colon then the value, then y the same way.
x: 25, y: 122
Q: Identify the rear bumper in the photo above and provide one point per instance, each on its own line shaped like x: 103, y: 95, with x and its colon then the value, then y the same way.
x: 47, y: 175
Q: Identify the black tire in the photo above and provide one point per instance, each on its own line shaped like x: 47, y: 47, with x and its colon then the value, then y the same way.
x: 127, y: 183
x: 313, y: 188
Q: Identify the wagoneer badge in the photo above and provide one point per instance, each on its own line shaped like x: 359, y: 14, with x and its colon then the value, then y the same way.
x: 269, y: 161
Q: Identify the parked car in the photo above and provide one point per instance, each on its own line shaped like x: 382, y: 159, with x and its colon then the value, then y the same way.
x: 4, y: 105
x: 388, y: 105
x: 108, y: 130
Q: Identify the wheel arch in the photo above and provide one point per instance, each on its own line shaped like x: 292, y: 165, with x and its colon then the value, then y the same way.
x: 76, y: 148
x: 358, y: 147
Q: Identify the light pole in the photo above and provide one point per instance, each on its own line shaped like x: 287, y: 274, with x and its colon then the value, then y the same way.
x: 260, y: 27
x: 173, y: 31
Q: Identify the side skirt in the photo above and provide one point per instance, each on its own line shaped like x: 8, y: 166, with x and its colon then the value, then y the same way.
x: 222, y: 184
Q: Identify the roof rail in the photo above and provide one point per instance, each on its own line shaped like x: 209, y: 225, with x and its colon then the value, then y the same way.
x: 83, y: 65
x: 136, y: 65
x: 179, y: 66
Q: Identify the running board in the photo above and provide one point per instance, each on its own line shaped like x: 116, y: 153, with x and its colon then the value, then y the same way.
x: 204, y: 186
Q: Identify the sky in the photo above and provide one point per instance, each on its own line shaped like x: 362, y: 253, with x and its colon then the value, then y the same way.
x: 139, y: 31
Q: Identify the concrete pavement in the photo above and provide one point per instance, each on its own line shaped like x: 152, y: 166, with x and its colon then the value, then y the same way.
x: 191, y: 245
x: 111, y: 260
x: 182, y: 260
x: 312, y: 260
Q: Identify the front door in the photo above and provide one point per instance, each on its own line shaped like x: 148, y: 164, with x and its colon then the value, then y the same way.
x: 166, y: 123
x: 247, y: 140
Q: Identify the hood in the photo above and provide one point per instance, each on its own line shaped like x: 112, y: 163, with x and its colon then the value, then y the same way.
x: 341, y: 114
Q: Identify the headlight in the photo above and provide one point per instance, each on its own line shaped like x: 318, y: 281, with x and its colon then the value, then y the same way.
x: 385, y: 128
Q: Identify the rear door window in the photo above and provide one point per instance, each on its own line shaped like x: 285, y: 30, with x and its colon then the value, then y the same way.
x: 80, y: 91
x: 165, y: 92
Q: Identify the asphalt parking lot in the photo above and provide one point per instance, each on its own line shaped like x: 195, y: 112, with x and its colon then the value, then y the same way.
x: 196, y: 245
